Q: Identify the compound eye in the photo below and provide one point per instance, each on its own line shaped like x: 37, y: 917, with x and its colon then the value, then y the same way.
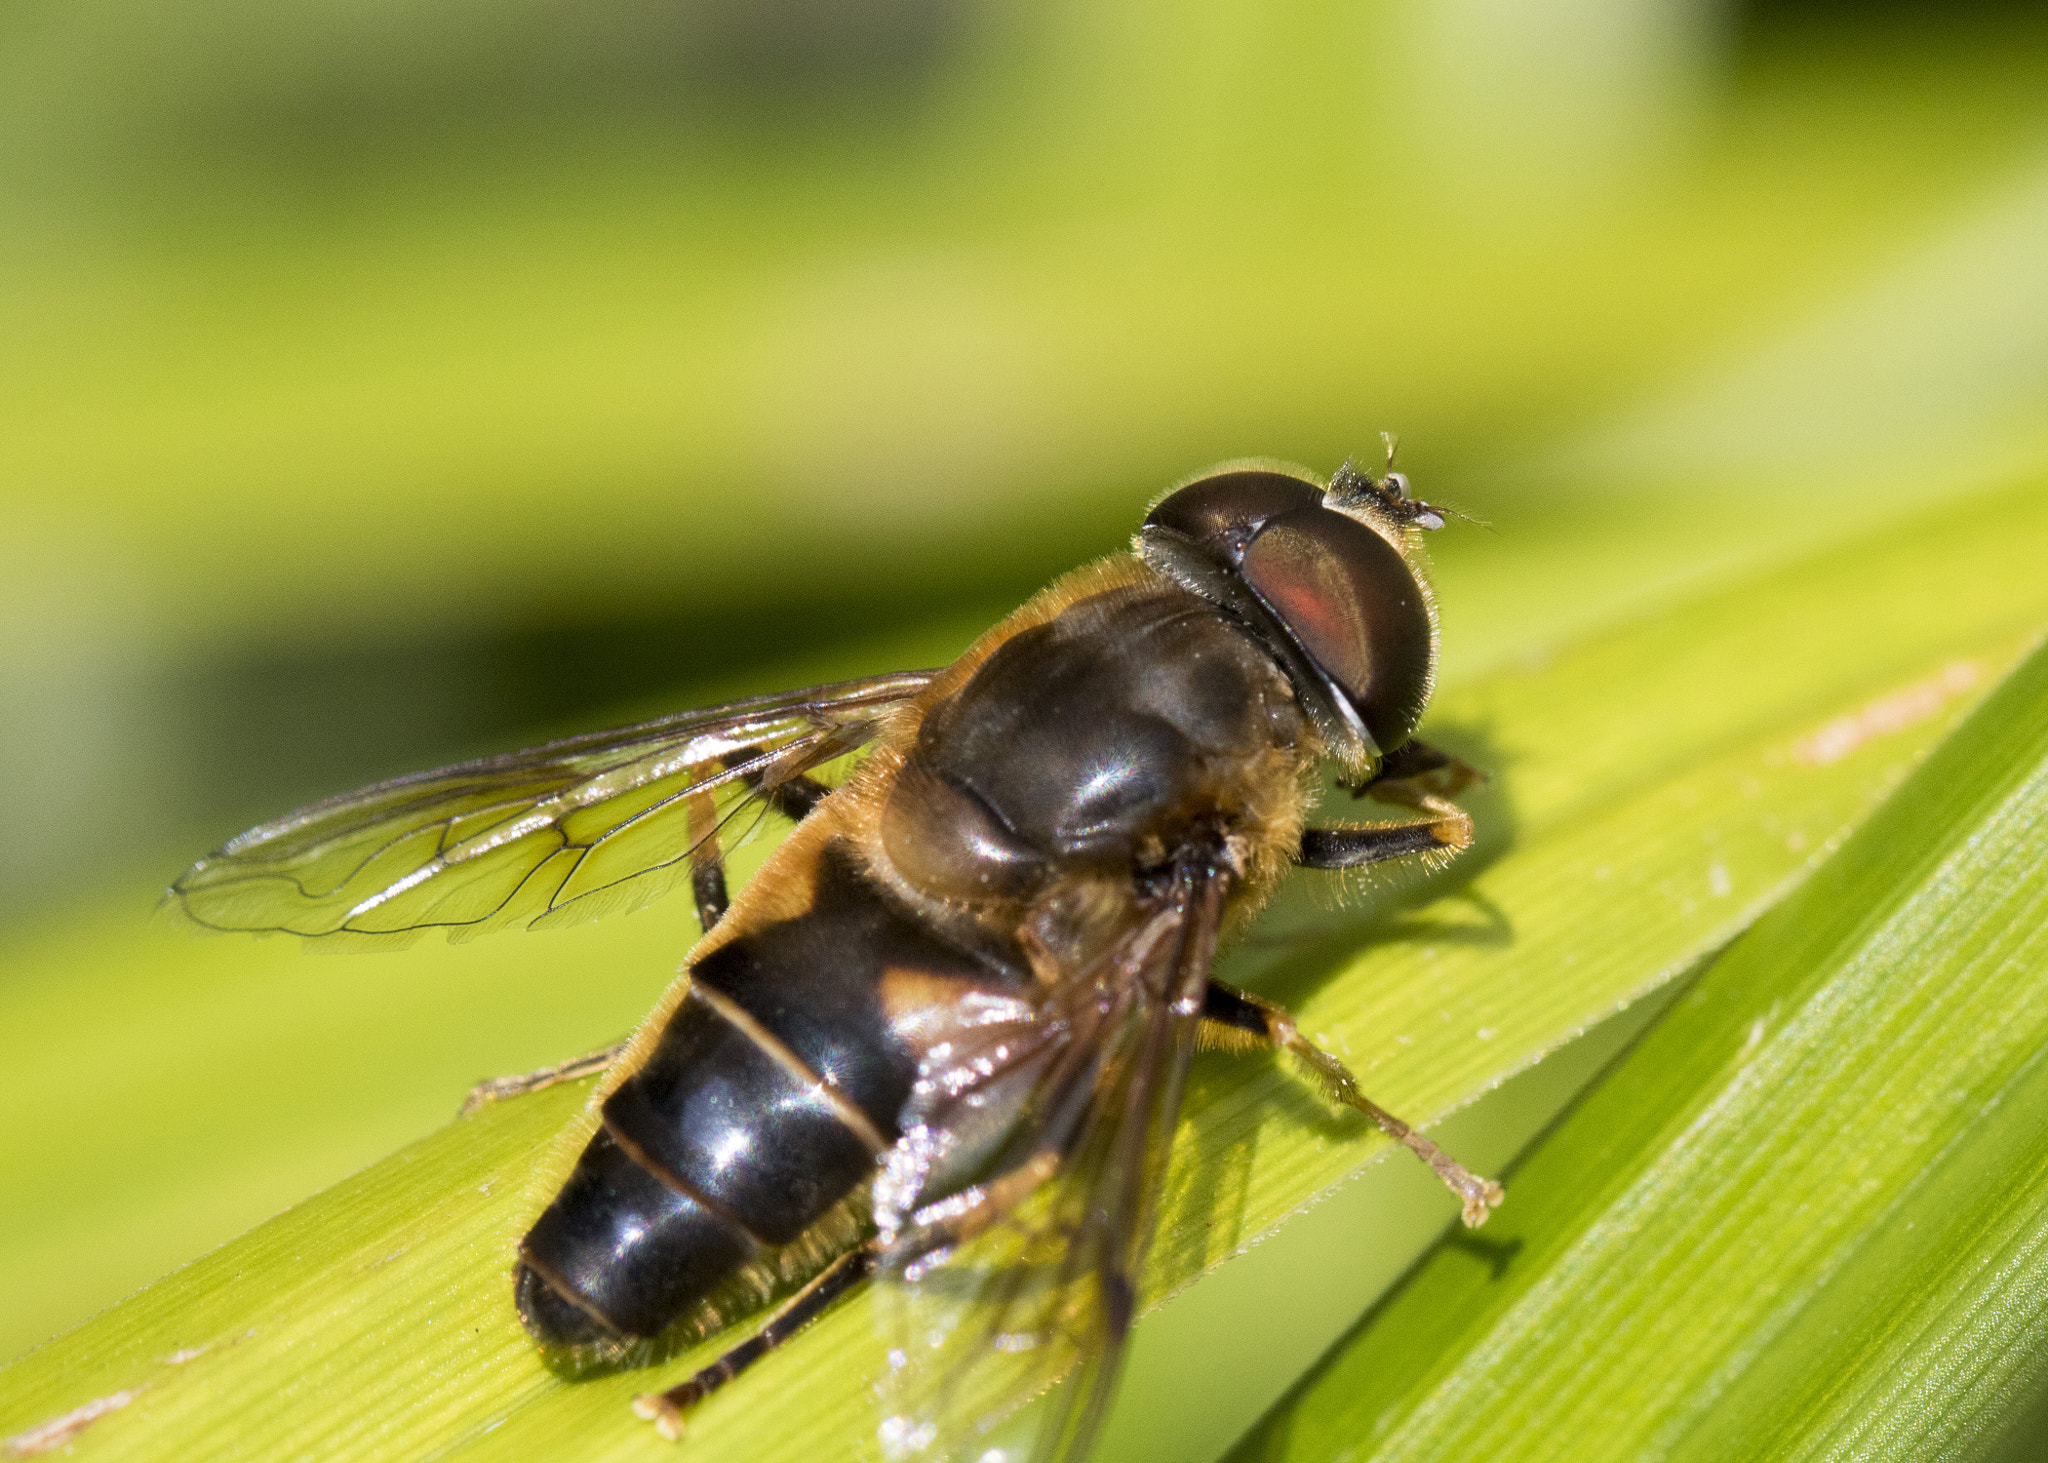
x: 1222, y: 512
x: 1350, y: 600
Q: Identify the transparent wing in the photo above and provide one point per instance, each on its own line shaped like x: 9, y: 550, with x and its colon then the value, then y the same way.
x: 556, y: 834
x: 1010, y: 1261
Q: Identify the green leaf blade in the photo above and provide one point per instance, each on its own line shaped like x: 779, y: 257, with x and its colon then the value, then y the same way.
x: 376, y: 1321
x: 1933, y: 1333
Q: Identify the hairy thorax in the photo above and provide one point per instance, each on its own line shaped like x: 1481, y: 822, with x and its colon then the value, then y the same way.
x: 1090, y: 735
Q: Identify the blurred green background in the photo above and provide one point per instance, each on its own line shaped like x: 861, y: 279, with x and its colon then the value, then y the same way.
x: 381, y: 385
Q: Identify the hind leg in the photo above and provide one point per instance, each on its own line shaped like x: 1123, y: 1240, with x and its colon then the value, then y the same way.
x: 666, y: 1410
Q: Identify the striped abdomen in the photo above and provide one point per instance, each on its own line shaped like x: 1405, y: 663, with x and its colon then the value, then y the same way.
x: 767, y: 1099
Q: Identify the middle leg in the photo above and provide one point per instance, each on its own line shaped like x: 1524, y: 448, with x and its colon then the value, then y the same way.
x: 1235, y: 1019
x: 794, y: 797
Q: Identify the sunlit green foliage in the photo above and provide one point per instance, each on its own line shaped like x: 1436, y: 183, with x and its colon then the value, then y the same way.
x: 382, y: 386
x: 1616, y: 859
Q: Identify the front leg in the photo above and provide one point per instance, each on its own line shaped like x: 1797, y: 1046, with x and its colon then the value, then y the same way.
x: 1415, y: 776
x: 1418, y: 768
x: 1237, y: 1020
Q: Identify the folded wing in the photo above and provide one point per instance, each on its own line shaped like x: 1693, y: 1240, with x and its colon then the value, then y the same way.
x: 1011, y: 1262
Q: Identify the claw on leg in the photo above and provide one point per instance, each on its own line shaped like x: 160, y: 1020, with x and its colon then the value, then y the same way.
x: 667, y: 1418
x: 1477, y: 1194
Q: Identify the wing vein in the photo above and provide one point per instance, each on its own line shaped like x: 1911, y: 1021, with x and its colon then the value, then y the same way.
x: 466, y: 847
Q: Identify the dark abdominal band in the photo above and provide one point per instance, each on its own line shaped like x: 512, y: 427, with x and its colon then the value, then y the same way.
x: 764, y: 1103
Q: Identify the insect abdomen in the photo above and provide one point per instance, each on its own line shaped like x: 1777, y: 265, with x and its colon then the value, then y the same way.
x: 767, y: 1098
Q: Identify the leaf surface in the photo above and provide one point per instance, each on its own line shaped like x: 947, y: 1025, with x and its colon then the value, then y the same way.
x: 1656, y: 788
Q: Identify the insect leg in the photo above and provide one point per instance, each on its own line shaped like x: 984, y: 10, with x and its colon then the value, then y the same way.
x: 1417, y: 777
x: 1351, y: 848
x: 1235, y: 1019
x: 793, y: 797
x: 486, y: 1093
x: 707, y: 884
x: 707, y: 861
x: 1418, y: 767
x: 666, y: 1409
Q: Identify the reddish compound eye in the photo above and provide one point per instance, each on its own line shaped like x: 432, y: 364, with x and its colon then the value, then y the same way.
x: 1350, y: 600
x: 1344, y: 598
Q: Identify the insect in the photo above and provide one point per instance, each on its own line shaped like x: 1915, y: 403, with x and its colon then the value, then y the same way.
x: 940, y: 1038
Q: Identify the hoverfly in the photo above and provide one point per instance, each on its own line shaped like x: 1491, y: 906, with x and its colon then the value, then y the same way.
x: 940, y: 1039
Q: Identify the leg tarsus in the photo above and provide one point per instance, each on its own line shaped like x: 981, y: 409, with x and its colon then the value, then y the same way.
x: 667, y: 1410
x: 1478, y: 1195
x: 1239, y: 1012
x: 485, y: 1093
